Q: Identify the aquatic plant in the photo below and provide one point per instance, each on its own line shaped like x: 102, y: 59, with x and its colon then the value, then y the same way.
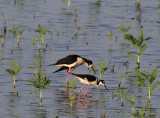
x: 138, y: 3
x: 145, y: 77
x: 110, y: 38
x: 17, y: 31
x: 13, y: 71
x: 124, y: 29
x: 138, y: 43
x: 1, y: 37
x: 158, y: 5
x: 85, y: 30
x: 101, y: 70
x: 72, y: 85
x: 131, y: 101
x: 5, y: 26
x: 72, y: 95
x: 122, y: 76
x: 35, y: 67
x: 102, y: 100
x: 40, y: 81
x: 42, y: 32
x: 69, y: 3
x: 121, y: 94
x: 140, y: 113
x: 97, y: 1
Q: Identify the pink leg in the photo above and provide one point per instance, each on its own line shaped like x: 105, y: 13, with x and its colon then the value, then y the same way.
x: 87, y: 89
x: 68, y: 78
x: 81, y: 89
x: 68, y: 75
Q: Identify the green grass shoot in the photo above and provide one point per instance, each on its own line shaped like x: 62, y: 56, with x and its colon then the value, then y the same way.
x: 2, y: 38
x: 5, y: 24
x: 122, y: 76
x: 35, y: 67
x: 72, y: 95
x: 131, y: 101
x: 124, y: 29
x: 121, y: 94
x: 138, y: 43
x: 41, y: 82
x: 101, y: 70
x: 69, y: 3
x: 138, y: 3
x: 140, y: 113
x: 85, y: 30
x: 13, y: 71
x: 110, y: 38
x: 42, y: 32
x: 17, y: 31
x: 144, y: 78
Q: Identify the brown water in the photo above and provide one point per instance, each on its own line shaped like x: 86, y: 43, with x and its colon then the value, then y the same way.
x: 99, y: 20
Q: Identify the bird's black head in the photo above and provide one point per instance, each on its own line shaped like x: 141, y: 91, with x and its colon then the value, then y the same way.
x: 102, y: 82
x: 89, y: 63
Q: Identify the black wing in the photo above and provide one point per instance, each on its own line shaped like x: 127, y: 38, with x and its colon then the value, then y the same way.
x: 67, y: 60
x: 61, y: 69
x: 83, y: 76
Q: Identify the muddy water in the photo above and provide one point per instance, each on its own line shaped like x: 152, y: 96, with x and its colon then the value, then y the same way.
x: 68, y: 37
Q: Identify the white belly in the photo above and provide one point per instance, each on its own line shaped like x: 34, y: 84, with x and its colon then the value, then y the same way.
x: 66, y: 65
x: 85, y: 81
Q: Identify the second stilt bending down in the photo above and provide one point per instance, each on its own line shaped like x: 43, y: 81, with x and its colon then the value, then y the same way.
x: 90, y: 80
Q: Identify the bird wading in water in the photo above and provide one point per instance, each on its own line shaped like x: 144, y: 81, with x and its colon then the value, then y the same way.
x: 90, y: 80
x: 72, y: 61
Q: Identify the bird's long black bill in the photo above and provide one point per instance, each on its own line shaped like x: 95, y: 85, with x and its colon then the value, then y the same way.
x: 94, y: 69
x: 106, y: 88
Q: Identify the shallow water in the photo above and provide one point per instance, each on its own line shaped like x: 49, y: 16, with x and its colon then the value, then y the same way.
x: 99, y: 21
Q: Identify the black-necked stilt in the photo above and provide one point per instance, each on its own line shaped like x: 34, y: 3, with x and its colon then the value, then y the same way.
x: 90, y: 80
x: 72, y: 61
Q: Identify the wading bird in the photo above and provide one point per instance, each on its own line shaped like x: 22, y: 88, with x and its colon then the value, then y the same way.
x: 90, y: 80
x: 72, y: 61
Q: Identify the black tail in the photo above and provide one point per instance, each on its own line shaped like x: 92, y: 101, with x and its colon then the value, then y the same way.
x: 75, y: 75
x: 51, y: 64
x: 61, y: 69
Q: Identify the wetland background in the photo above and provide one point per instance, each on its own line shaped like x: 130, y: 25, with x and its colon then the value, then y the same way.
x: 81, y: 30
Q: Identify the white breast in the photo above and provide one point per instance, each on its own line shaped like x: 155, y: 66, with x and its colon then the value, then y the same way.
x: 85, y: 81
x: 70, y: 65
